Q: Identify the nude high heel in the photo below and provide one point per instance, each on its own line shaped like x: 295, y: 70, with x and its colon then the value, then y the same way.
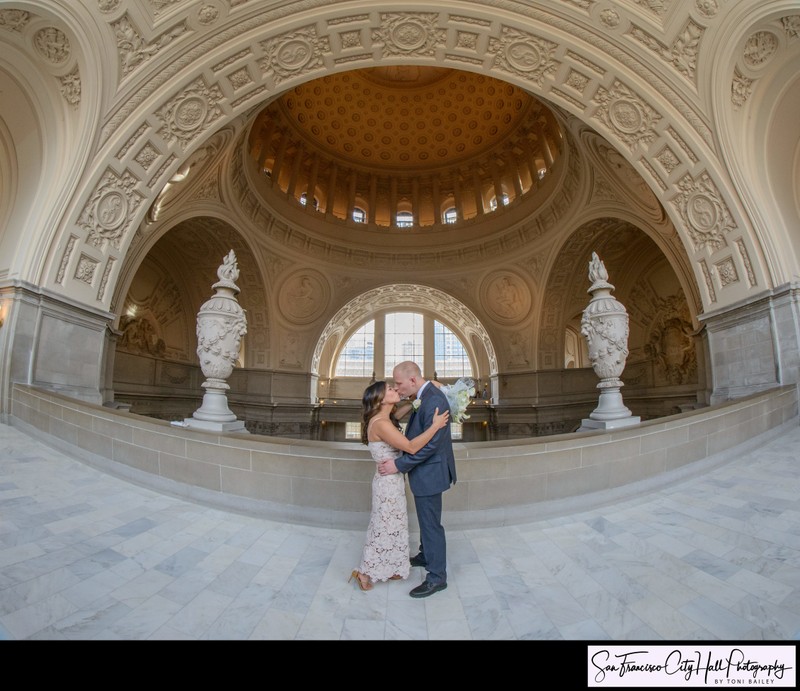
x: 361, y: 584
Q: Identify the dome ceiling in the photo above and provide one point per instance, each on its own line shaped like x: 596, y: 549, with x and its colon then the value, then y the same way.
x: 405, y: 145
x: 406, y: 117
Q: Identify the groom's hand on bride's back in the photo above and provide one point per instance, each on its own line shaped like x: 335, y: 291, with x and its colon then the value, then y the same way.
x: 387, y: 467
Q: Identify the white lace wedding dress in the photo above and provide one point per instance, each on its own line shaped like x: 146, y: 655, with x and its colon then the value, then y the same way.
x: 386, y: 549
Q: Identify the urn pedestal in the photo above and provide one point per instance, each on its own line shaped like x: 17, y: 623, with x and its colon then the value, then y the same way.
x: 220, y: 326
x: 605, y: 326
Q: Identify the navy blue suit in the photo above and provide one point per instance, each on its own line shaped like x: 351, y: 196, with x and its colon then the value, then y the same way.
x: 430, y: 471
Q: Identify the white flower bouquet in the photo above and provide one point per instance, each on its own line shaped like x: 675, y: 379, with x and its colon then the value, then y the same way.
x: 458, y: 396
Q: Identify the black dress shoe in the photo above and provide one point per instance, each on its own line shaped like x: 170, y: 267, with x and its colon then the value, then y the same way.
x: 426, y: 588
x: 418, y: 560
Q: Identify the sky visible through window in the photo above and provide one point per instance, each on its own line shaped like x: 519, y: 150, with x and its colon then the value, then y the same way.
x: 404, y: 339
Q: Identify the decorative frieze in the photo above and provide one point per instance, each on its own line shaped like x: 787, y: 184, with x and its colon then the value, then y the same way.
x: 107, y: 6
x: 682, y: 144
x: 101, y: 290
x: 14, y: 20
x: 52, y: 45
x: 576, y: 80
x: 748, y: 266
x: 294, y: 53
x: 361, y: 57
x: 70, y: 86
x: 525, y: 55
x: 759, y: 49
x: 518, y: 350
x: 240, y: 78
x: 609, y: 18
x: 350, y: 39
x: 236, y: 57
x: 207, y: 15
x: 668, y: 159
x: 726, y: 270
x: 160, y: 5
x: 62, y: 267
x: 147, y: 155
x: 474, y: 21
x: 682, y: 53
x: 304, y: 297
x: 506, y: 296
x: 86, y: 269
x: 712, y: 294
x: 791, y: 25
x: 657, y: 7
x: 708, y: 8
x: 704, y: 213
x: 583, y: 60
x: 348, y: 19
x: 133, y: 49
x: 190, y: 113
x: 110, y: 211
x: 131, y: 141
x: 407, y: 34
x: 467, y: 40
x: 670, y: 341
x: 625, y: 113
x: 161, y: 171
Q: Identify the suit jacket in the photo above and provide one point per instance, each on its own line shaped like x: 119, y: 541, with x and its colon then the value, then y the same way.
x: 433, y: 468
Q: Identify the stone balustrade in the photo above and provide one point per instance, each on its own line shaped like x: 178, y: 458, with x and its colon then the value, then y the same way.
x: 328, y: 483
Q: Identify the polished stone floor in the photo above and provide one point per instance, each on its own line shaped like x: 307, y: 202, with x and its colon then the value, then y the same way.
x: 87, y: 556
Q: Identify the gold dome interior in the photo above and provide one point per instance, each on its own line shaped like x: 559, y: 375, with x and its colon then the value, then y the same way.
x: 432, y: 144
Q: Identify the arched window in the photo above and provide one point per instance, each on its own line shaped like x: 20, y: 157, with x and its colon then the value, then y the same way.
x: 359, y: 215
x: 405, y: 336
x: 451, y: 215
x: 357, y: 359
x: 404, y: 340
x: 450, y: 356
x: 493, y: 202
x: 314, y: 201
x: 405, y: 219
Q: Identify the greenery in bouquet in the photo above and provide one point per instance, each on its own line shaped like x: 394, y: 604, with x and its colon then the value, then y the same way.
x: 459, y: 396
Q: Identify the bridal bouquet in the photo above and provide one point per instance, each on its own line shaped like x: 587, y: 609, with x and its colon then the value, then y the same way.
x: 458, y: 396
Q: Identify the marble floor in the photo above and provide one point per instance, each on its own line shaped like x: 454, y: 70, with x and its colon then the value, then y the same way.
x: 87, y: 556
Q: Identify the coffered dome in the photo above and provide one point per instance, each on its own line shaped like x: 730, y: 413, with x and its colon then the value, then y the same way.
x: 405, y: 145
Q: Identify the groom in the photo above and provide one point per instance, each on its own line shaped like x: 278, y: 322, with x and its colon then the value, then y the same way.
x: 431, y: 471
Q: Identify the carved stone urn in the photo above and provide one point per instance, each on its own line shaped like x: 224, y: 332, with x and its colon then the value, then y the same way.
x: 604, y: 325
x: 221, y: 323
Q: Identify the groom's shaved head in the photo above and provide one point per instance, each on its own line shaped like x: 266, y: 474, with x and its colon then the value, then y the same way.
x: 408, y: 369
x: 407, y: 378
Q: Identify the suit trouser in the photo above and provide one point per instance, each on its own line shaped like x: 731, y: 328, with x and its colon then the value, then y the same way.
x: 433, y: 545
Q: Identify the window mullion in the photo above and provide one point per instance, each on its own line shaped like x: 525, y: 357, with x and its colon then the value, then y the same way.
x: 380, y: 345
x: 428, y: 345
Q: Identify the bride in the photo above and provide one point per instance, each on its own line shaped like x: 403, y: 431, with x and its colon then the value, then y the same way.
x: 386, y: 551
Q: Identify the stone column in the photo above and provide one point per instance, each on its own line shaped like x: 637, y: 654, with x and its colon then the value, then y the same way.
x: 605, y: 326
x: 220, y: 326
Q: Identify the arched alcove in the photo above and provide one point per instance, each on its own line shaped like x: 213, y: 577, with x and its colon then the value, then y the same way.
x: 662, y: 342
x: 397, y: 297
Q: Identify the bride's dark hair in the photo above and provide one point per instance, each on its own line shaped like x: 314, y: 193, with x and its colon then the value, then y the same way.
x: 371, y: 406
